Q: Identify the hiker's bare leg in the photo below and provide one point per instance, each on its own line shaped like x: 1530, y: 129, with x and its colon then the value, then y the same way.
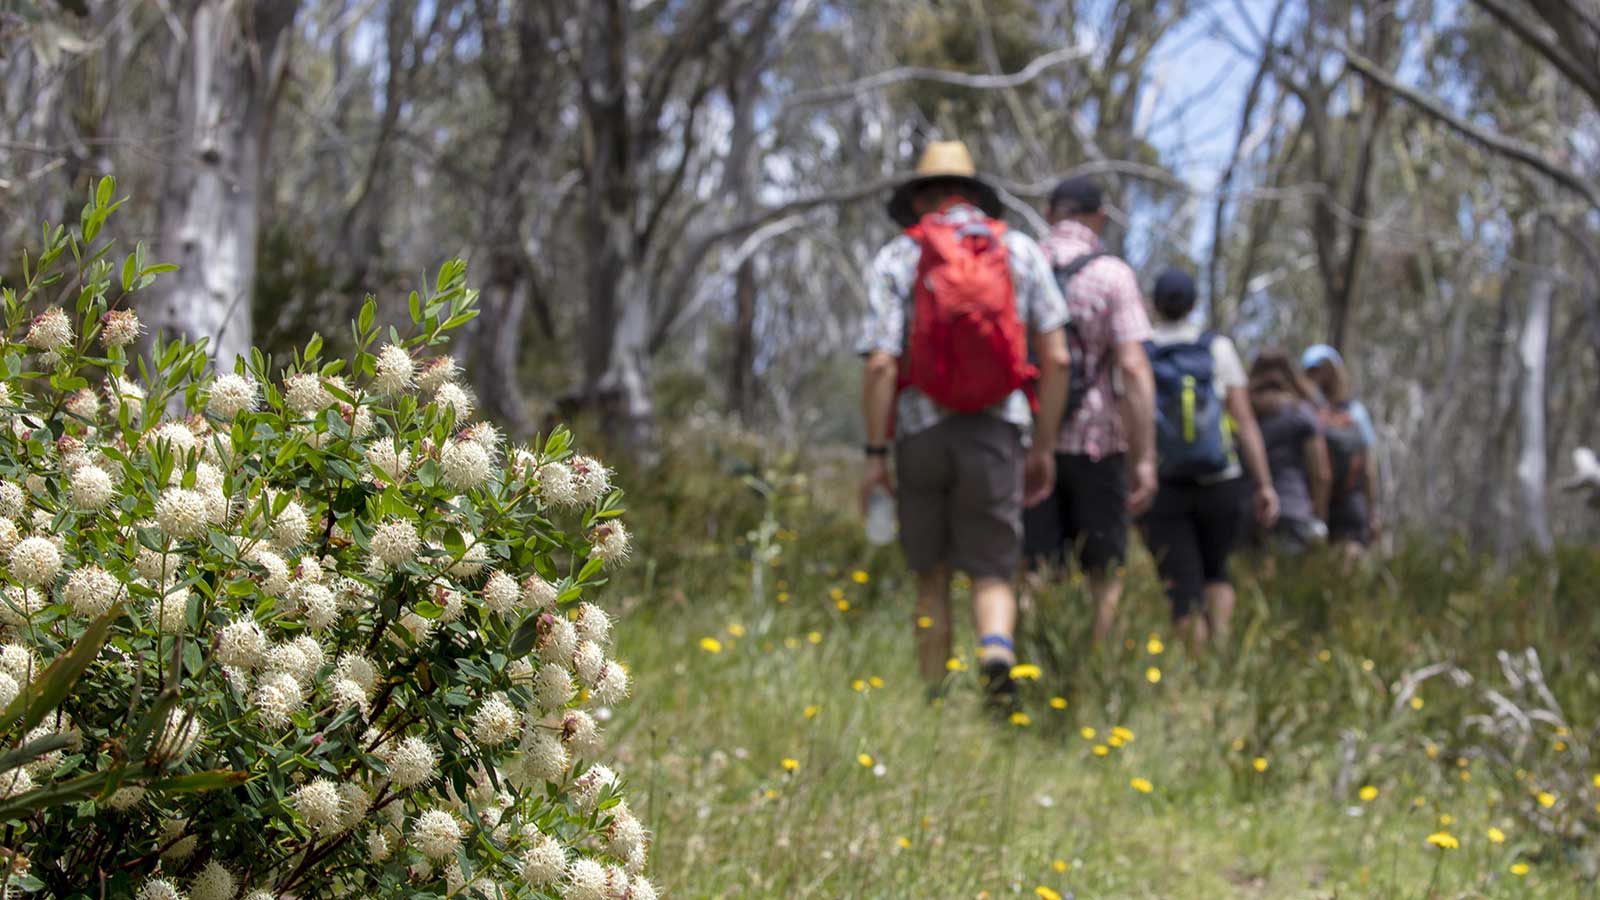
x: 994, y: 612
x: 1192, y: 628
x: 933, y: 608
x: 1106, y: 589
x: 1219, y: 609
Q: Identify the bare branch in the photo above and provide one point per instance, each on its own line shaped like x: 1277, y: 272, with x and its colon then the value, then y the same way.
x: 1032, y: 70
x: 1511, y: 148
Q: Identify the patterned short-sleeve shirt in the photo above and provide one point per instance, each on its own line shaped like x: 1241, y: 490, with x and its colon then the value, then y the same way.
x: 889, y: 298
x: 1103, y: 300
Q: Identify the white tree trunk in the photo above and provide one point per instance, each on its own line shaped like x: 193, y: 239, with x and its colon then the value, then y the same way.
x: 1533, y: 353
x: 212, y: 193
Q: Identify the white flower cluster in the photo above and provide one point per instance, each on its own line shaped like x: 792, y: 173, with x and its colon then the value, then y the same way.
x: 349, y: 614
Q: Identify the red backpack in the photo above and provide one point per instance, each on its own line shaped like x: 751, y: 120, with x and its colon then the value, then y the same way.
x: 968, y: 349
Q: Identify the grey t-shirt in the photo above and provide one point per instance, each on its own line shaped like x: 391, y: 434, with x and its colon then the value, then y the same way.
x: 1285, y: 432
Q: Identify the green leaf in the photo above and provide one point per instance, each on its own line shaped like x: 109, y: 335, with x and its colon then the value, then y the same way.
x: 129, y: 272
x: 369, y: 313
x: 428, y: 609
x: 590, y: 569
x: 103, y: 191
x: 200, y: 781
x: 526, y: 636
x: 53, y: 685
x: 454, y: 543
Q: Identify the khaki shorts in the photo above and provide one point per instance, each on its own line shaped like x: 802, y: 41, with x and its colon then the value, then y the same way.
x: 959, y: 485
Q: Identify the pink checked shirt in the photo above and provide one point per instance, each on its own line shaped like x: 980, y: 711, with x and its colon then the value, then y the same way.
x: 1104, y: 303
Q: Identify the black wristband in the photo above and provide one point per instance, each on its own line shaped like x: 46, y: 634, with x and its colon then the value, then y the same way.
x: 877, y: 449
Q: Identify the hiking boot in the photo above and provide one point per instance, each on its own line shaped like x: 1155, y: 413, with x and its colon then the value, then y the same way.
x: 994, y: 676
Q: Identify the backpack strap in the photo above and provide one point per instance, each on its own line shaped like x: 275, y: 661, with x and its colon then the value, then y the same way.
x: 1069, y: 271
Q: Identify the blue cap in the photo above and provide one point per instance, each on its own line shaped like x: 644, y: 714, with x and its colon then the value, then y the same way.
x: 1317, y: 354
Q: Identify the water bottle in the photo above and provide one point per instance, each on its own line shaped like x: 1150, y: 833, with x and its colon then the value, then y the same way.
x: 880, y: 517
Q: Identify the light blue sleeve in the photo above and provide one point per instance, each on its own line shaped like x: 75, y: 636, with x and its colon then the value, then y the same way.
x: 1358, y: 411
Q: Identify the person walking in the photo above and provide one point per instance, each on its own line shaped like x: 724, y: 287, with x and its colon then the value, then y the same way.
x: 1285, y: 404
x: 1204, y: 424
x: 1352, y: 444
x: 954, y: 303
x: 1107, y: 437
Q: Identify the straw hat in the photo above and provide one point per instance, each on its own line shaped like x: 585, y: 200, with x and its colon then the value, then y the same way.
x: 942, y: 161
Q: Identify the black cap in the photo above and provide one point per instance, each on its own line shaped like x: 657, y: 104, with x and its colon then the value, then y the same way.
x: 1175, y: 294
x: 1076, y: 196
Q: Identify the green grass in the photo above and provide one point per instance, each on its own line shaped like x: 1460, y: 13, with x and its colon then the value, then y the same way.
x: 956, y: 803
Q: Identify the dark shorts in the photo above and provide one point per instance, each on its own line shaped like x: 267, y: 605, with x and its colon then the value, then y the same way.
x: 1347, y: 520
x: 1088, y: 511
x: 959, y: 486
x: 1190, y: 530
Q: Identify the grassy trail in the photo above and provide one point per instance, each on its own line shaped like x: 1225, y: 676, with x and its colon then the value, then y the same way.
x: 893, y: 797
x: 1349, y: 728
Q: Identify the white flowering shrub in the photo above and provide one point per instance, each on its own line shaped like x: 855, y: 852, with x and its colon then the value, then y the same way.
x: 291, y: 634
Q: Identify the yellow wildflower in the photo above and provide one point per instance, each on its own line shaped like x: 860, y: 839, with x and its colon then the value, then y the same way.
x: 865, y: 760
x: 1115, y: 741
x: 1152, y: 675
x: 1432, y: 750
x: 1496, y: 836
x: 1444, y: 840
x: 1238, y: 745
x: 903, y: 842
x: 1368, y: 665
x: 1021, y: 720
x: 1123, y: 733
x: 1518, y: 869
x: 875, y: 681
x: 812, y: 710
x: 842, y: 605
x: 858, y: 685
x: 954, y: 664
x: 791, y: 765
x: 1100, y: 750
x: 1061, y: 703
x: 924, y: 621
x: 1368, y: 794
x: 772, y: 793
x: 836, y: 594
x: 1416, y: 702
x: 1559, y: 746
x: 1027, y: 671
x: 1141, y: 785
x: 1324, y: 656
x: 814, y: 637
x: 1446, y: 820
x: 1154, y: 647
x: 1259, y: 764
x: 1044, y: 893
x: 783, y: 596
x: 1465, y: 775
x: 1597, y: 780
x: 735, y: 629
x: 860, y: 577
x: 1546, y: 799
x: 710, y: 645
x: 1087, y: 732
x: 791, y: 642
x: 1060, y: 866
x: 1419, y: 802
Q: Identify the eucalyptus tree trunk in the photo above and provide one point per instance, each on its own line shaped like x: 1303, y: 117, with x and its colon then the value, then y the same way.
x: 232, y: 55
x: 1533, y: 355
